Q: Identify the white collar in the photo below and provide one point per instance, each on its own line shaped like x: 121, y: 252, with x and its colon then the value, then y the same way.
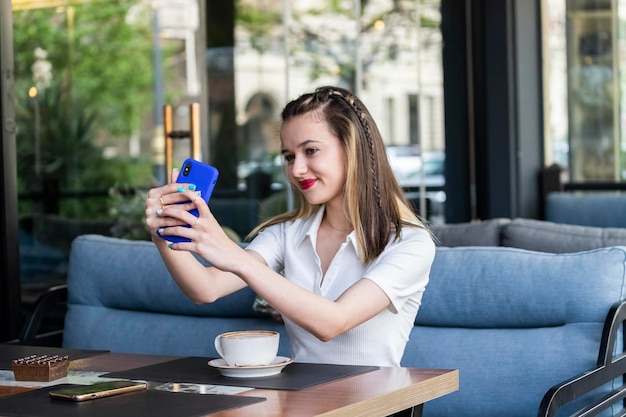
x: 312, y: 224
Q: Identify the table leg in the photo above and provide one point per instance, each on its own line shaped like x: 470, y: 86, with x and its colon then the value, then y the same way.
x: 410, y: 412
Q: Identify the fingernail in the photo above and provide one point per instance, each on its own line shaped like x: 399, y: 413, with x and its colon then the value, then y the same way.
x: 175, y: 169
x: 169, y: 245
x: 192, y: 187
x: 160, y: 231
x: 181, y: 190
x: 159, y: 211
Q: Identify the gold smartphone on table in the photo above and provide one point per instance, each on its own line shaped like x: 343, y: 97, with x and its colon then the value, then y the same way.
x: 98, y: 390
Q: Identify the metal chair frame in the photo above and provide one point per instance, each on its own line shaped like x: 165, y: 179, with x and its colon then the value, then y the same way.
x: 609, y: 367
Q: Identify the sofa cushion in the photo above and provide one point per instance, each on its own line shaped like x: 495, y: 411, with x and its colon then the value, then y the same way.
x: 513, y: 322
x: 600, y: 209
x: 502, y: 374
x: 98, y: 327
x: 122, y: 298
x: 513, y: 288
x: 553, y: 237
x: 476, y: 233
x: 130, y: 275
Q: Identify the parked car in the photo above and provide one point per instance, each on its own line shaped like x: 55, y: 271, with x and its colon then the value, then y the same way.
x: 406, y: 163
x: 414, y: 170
x: 271, y: 166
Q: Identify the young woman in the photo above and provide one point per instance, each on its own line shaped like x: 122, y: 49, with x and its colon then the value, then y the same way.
x: 346, y: 269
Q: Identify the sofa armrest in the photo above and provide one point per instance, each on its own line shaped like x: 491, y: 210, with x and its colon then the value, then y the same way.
x: 610, y: 366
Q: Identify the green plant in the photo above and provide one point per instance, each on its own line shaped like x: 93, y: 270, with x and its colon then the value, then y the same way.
x: 92, y: 65
x: 98, y: 53
x: 128, y: 213
x: 55, y: 137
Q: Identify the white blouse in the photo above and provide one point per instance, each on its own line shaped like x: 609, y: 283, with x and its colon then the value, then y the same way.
x: 401, y: 271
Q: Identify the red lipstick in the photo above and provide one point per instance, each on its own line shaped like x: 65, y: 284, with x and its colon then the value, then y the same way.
x: 306, y: 184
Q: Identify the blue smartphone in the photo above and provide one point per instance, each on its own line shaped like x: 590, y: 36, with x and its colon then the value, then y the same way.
x: 204, y: 176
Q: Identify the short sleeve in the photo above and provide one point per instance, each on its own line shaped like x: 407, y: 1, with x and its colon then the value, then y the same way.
x: 403, y: 269
x: 269, y: 243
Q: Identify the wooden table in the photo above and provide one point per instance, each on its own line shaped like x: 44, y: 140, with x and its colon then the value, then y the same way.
x: 378, y: 393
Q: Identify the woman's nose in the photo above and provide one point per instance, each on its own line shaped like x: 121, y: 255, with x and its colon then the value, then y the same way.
x: 298, y: 167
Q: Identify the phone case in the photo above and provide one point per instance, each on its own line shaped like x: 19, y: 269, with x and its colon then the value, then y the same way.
x: 98, y: 390
x: 204, y: 177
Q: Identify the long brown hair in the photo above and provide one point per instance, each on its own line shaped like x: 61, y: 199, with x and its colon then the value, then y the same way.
x: 375, y: 203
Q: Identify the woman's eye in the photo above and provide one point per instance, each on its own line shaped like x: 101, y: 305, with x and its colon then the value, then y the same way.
x: 288, y: 158
x: 311, y: 151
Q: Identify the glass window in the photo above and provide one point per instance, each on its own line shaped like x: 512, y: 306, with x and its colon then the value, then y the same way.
x: 92, y: 78
x: 584, y: 108
x: 84, y: 101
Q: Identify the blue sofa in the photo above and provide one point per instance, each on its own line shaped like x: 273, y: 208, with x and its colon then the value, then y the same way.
x: 515, y: 322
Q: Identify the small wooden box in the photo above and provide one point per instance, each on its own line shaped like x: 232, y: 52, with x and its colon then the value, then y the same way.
x: 40, y: 368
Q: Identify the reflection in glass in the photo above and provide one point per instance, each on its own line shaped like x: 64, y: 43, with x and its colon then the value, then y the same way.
x: 593, y: 94
x: 83, y: 87
x: 583, y: 109
x: 387, y: 52
x: 91, y: 76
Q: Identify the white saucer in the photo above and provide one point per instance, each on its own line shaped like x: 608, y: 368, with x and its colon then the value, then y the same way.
x: 251, y: 371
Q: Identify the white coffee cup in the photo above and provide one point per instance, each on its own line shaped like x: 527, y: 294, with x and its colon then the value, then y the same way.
x: 248, y: 347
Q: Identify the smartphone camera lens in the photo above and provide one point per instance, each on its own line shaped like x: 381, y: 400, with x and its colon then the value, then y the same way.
x: 186, y: 169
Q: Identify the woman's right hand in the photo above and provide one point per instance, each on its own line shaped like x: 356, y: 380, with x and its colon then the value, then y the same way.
x: 159, y: 198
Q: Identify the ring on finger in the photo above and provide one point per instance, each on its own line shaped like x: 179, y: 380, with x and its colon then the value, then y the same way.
x: 196, y: 222
x: 161, y: 200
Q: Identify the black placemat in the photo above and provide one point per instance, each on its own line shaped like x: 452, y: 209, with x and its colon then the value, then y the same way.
x: 144, y: 403
x: 10, y: 352
x: 295, y: 376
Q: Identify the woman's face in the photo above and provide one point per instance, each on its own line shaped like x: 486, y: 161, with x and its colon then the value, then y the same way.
x: 315, y: 158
